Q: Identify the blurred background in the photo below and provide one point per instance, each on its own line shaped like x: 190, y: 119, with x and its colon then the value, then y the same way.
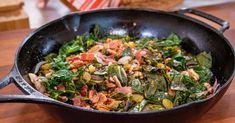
x: 21, y: 14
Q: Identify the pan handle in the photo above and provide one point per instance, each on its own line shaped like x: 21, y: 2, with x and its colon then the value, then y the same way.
x: 5, y: 81
x: 224, y: 24
x: 30, y: 94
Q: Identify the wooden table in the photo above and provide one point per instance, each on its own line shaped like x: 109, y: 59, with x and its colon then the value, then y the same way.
x: 222, y: 112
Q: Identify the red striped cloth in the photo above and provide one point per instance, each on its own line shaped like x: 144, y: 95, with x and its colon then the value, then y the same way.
x: 84, y: 5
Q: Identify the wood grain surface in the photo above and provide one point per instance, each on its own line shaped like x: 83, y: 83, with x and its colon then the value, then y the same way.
x: 222, y: 112
x: 12, y: 15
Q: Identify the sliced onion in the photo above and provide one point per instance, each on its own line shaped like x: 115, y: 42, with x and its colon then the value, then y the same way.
x: 37, y: 82
x: 37, y: 66
x: 104, y: 60
x: 99, y: 59
x: 124, y: 60
x: 215, y: 86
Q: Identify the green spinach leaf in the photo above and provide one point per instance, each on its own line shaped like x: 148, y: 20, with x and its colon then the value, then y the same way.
x: 204, y: 59
x: 204, y: 73
x: 136, y: 85
x: 116, y: 70
x: 177, y: 83
x: 171, y: 40
x: 127, y: 52
x: 60, y: 76
x: 59, y: 63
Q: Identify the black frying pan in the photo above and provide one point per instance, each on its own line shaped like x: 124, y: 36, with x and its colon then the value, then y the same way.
x: 197, y: 36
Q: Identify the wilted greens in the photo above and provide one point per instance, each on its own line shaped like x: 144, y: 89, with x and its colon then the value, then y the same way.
x: 125, y: 74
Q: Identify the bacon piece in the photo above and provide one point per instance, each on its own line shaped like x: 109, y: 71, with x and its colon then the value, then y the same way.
x: 87, y: 56
x: 140, y: 54
x: 72, y: 59
x: 79, y: 102
x: 61, y: 87
x: 92, y: 93
x: 99, y: 98
x: 95, y: 48
x: 124, y: 90
x: 84, y: 90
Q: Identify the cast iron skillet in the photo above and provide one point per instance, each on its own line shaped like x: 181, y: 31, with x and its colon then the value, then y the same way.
x: 197, y: 36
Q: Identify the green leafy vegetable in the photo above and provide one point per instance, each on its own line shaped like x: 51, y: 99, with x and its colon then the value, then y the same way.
x: 173, y: 39
x: 179, y: 62
x: 119, y: 96
x: 158, y: 81
x: 177, y: 83
x: 158, y: 97
x: 187, y: 81
x: 136, y: 85
x: 60, y: 76
x: 197, y: 93
x: 55, y: 94
x: 127, y: 52
x: 122, y: 37
x: 204, y: 59
x: 204, y: 73
x: 50, y: 57
x: 181, y: 98
x: 96, y: 32
x: 74, y: 46
x: 150, y: 88
x: 123, y: 73
x: 139, y: 107
x: 153, y: 107
x: 116, y: 70
x: 59, y: 63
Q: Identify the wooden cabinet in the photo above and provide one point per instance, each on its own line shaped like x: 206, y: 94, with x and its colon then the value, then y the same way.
x: 12, y: 15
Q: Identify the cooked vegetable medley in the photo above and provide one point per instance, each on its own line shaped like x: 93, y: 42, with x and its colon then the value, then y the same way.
x: 125, y: 74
